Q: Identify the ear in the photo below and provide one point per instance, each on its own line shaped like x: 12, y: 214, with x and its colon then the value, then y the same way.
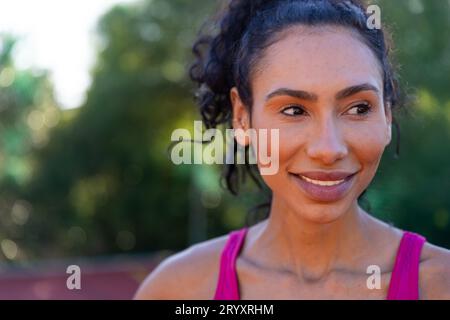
x: 241, y: 118
x: 388, y: 113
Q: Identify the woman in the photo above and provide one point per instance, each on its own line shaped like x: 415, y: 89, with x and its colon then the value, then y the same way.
x: 315, y: 71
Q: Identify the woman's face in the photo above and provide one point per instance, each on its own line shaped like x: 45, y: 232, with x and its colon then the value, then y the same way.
x: 322, y: 89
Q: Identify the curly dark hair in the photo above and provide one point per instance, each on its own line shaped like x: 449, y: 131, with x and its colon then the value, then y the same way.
x: 226, y: 56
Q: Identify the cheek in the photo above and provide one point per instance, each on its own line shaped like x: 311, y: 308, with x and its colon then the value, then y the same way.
x: 289, y: 142
x: 289, y: 136
x: 366, y: 147
x: 366, y: 142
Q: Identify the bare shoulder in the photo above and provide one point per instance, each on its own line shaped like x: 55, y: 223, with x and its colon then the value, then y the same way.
x: 434, y: 271
x: 189, y: 274
x: 434, y: 277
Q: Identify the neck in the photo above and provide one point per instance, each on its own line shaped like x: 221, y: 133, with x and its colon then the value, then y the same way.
x: 310, y: 249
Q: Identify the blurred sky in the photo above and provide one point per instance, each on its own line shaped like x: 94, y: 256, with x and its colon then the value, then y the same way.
x: 57, y: 35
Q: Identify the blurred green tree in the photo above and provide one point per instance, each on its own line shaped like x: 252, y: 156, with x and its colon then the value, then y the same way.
x: 28, y: 112
x: 104, y: 183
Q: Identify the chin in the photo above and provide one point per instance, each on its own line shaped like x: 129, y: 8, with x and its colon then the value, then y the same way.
x: 322, y: 213
x: 323, y: 218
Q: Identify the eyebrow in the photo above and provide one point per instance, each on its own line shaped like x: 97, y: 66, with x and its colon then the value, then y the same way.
x: 305, y: 95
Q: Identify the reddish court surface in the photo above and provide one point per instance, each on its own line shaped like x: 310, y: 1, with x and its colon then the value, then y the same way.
x: 109, y: 278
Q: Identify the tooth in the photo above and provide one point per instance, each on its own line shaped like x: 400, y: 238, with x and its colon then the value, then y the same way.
x: 322, y: 183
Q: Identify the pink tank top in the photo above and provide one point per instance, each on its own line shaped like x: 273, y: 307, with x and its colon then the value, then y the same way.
x: 404, y: 283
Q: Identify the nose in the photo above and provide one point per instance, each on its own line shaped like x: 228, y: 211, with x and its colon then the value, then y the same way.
x: 326, y: 144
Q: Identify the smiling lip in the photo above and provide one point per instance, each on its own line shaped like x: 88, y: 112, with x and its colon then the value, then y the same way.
x: 324, y: 186
x: 326, y: 176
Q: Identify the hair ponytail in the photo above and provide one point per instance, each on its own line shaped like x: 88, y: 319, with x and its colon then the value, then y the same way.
x: 213, y: 70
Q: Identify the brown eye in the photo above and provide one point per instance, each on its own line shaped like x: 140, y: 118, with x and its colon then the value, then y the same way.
x: 360, y: 109
x: 293, y: 111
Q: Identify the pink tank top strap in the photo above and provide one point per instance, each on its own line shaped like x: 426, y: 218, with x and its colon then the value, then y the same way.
x: 227, y: 285
x: 404, y: 284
